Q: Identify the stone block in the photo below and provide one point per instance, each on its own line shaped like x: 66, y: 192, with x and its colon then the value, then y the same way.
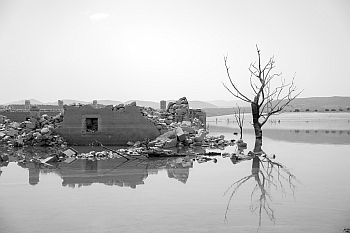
x: 170, y: 143
x: 188, y: 129
x: 12, y: 132
x: 70, y: 152
x: 31, y: 125
x: 44, y: 131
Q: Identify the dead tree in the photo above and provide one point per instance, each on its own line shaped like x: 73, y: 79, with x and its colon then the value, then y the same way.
x: 239, y: 119
x: 268, y: 98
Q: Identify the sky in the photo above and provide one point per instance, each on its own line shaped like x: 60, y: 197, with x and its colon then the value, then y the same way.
x: 159, y: 49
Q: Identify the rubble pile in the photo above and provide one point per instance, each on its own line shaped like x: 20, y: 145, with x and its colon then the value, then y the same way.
x: 175, y: 114
x: 177, y: 130
x: 179, y: 110
x: 185, y: 136
x: 36, y: 131
x: 173, y: 123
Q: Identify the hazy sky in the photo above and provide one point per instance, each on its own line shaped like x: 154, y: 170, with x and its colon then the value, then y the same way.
x: 153, y: 50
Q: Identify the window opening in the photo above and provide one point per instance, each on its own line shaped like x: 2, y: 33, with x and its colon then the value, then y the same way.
x: 91, y: 124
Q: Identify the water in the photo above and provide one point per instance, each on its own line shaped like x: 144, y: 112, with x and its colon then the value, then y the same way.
x: 173, y: 195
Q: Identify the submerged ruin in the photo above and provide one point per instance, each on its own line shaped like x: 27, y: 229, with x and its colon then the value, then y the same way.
x: 84, y: 125
x: 117, y: 125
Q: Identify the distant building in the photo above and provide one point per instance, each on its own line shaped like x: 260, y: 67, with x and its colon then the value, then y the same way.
x: 163, y: 105
x: 27, y: 105
x: 17, y: 107
x: 94, y: 104
x: 60, y: 104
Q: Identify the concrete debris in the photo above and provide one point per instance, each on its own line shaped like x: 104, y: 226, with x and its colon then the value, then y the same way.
x: 180, y: 138
x: 241, y: 144
x: 4, y: 158
x: 36, y: 131
x: 176, y: 114
x: 70, y: 152
x: 50, y: 159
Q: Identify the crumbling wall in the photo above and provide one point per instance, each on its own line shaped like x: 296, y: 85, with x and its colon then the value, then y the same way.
x: 19, y: 116
x: 115, y: 126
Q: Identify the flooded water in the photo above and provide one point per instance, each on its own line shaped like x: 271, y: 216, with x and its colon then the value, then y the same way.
x: 182, y: 195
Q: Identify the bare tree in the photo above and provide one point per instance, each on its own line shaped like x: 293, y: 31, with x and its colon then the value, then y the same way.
x: 268, y: 99
x: 239, y: 119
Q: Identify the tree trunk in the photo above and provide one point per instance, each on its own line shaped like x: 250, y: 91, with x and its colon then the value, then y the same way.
x: 257, y: 127
x: 257, y: 146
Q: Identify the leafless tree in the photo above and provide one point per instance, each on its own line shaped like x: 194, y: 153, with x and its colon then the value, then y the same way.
x: 239, y: 115
x: 268, y: 98
x: 267, y: 174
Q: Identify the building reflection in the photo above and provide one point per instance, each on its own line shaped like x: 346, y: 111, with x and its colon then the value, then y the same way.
x: 119, y: 172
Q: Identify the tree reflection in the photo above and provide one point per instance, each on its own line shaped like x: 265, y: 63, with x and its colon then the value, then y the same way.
x: 269, y: 176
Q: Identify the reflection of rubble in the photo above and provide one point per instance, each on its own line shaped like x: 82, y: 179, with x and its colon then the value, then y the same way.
x: 120, y: 172
x: 180, y: 169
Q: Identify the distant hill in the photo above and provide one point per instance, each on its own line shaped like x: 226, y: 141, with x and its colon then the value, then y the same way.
x: 156, y: 105
x: 320, y: 104
x: 32, y: 101
x: 67, y: 101
x: 200, y: 104
x: 223, y: 111
x: 109, y: 102
x: 143, y: 103
x: 228, y: 103
x: 312, y: 104
x: 224, y: 107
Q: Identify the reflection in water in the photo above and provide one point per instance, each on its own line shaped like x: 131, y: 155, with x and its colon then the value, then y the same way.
x: 84, y: 172
x: 267, y: 174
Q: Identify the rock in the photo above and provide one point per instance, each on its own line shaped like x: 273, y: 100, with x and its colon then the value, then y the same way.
x: 169, y: 144
x: 2, y: 119
x: 130, y: 143
x: 44, y: 131
x: 4, y: 157
x: 51, y: 159
x: 188, y: 129
x: 31, y: 125
x: 14, y: 125
x: 12, y: 132
x: 200, y: 136
x: 132, y: 103
x: 181, y: 136
x: 70, y: 152
x: 170, y: 105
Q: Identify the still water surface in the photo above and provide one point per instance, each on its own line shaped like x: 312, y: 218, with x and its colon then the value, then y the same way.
x: 181, y: 195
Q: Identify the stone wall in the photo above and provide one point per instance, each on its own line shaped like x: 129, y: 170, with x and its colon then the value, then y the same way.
x: 114, y: 126
x: 20, y: 116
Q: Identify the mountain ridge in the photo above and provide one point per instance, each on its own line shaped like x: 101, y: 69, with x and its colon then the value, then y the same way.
x: 310, y: 103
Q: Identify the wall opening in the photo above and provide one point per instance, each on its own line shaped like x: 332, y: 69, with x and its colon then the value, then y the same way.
x: 91, y: 124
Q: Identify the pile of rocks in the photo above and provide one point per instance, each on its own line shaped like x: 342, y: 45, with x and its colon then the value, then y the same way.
x: 176, y: 115
x: 184, y: 135
x: 36, y: 131
x: 179, y: 110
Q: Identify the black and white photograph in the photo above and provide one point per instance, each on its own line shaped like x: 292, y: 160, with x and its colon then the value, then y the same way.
x: 164, y: 116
